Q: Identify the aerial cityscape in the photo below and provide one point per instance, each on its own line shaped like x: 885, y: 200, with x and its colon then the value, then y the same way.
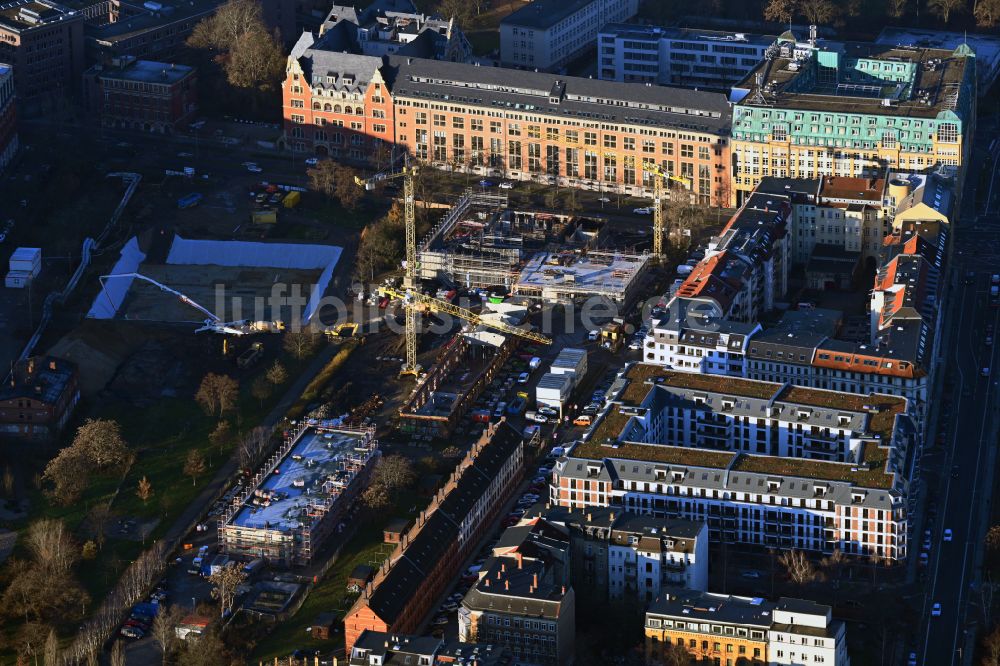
x: 499, y: 333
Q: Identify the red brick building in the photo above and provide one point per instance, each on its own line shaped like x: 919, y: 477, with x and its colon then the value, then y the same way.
x: 141, y: 94
x: 409, y: 584
x: 506, y: 123
x: 8, y: 117
x: 38, y: 398
x: 43, y: 41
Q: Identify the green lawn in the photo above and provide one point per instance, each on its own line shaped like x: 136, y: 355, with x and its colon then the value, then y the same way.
x: 330, y: 594
x: 161, y: 434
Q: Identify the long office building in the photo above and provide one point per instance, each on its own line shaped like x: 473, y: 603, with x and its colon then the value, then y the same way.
x: 8, y: 117
x: 43, y: 41
x: 768, y: 464
x: 547, y: 34
x: 678, y: 56
x: 506, y: 123
x: 851, y: 109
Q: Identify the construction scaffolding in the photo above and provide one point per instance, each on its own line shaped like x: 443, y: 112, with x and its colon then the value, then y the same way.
x: 300, y: 494
x: 572, y: 276
x: 481, y: 243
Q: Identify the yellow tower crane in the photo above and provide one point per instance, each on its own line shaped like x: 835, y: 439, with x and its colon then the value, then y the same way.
x: 659, y: 223
x: 412, y: 299
x: 407, y: 173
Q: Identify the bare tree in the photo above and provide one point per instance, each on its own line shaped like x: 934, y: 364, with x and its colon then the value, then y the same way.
x: 277, y: 374
x: 897, y: 8
x: 253, y: 445
x: 224, y: 583
x: 102, y: 442
x: 799, y: 568
x: 69, y: 474
x: 780, y: 11
x: 51, y: 650
x: 194, y: 465
x: 394, y: 472
x: 117, y: 654
x: 98, y: 518
x: 221, y: 435
x: 51, y: 545
x: 819, y: 11
x: 144, y: 491
x: 300, y: 343
x: 227, y: 25
x: 8, y: 482
x: 255, y: 61
x: 987, y: 13
x: 945, y: 8
x: 261, y: 389
x: 163, y: 629
x: 337, y: 182
x: 217, y: 393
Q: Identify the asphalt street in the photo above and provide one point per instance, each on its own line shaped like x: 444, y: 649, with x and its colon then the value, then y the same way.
x: 954, y: 576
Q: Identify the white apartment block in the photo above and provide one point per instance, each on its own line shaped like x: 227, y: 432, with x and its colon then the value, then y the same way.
x: 804, y: 633
x: 643, y: 560
x: 686, y: 339
x: 765, y: 464
x: 546, y: 34
x: 678, y: 56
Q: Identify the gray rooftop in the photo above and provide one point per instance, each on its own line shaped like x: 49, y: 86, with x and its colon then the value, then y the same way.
x: 545, y: 14
x: 715, y: 608
x: 567, y: 97
x: 148, y: 71
x: 632, y: 31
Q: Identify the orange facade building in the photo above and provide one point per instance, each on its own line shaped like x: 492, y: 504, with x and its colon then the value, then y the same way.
x: 506, y: 123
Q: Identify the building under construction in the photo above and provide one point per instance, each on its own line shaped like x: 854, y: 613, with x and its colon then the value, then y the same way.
x: 576, y: 275
x: 481, y: 243
x: 463, y: 369
x: 300, y: 495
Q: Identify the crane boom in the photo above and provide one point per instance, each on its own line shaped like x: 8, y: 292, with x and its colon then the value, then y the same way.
x: 412, y: 299
x: 659, y: 222
x: 212, y: 323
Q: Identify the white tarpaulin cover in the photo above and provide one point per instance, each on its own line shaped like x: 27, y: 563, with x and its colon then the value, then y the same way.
x: 247, y: 253
x: 269, y: 255
x: 110, y: 298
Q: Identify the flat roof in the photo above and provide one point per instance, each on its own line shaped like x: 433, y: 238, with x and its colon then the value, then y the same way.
x: 28, y: 14
x: 632, y: 31
x: 709, y: 607
x: 313, y: 471
x: 783, y: 86
x: 148, y: 71
x: 543, y: 14
x: 605, y: 273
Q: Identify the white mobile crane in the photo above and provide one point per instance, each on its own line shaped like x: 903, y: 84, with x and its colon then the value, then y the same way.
x: 212, y: 323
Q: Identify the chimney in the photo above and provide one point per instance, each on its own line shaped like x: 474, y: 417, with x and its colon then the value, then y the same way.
x: 520, y: 560
x: 534, y: 580
x: 487, y: 582
x: 612, y: 515
x: 506, y: 585
x: 503, y: 567
x: 564, y: 590
x: 589, y: 517
x: 52, y: 364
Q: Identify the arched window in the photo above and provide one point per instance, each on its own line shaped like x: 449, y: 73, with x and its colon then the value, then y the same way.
x: 336, y: 108
x: 348, y: 110
x: 315, y: 106
x: 327, y: 107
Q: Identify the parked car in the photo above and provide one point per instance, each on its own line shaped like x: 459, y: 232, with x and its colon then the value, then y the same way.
x: 548, y: 411
x: 645, y: 210
x: 253, y: 168
x: 523, y: 378
x: 516, y: 406
x: 312, y: 161
x: 506, y: 185
x: 536, y: 417
x: 936, y: 610
x: 948, y: 535
x: 486, y: 183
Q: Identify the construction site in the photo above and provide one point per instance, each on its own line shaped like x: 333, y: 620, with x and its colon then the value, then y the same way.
x: 214, y: 282
x: 481, y: 243
x: 300, y: 495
